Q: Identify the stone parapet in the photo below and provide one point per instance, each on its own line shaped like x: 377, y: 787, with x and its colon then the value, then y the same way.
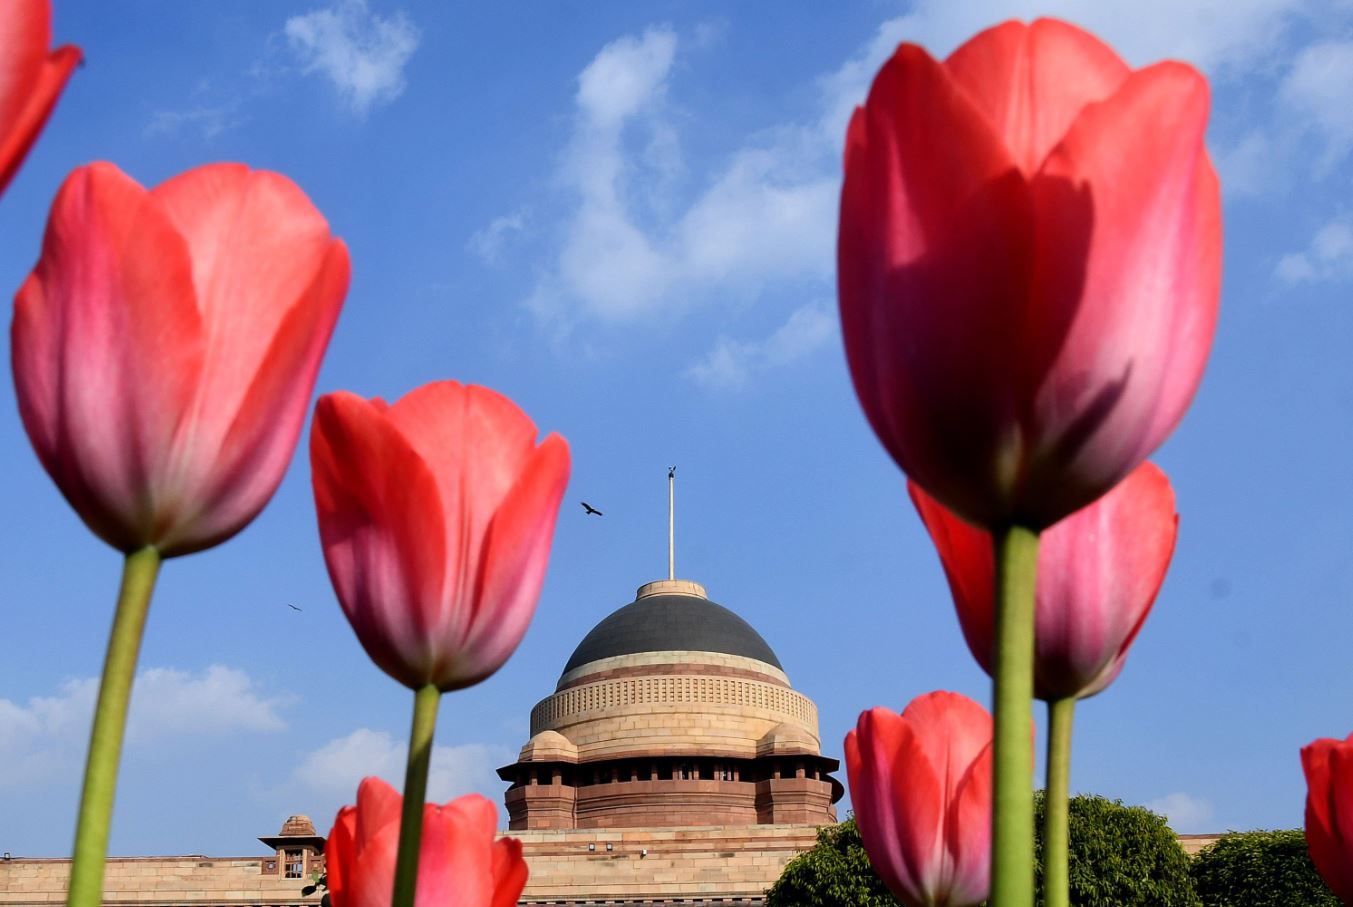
x: 709, y: 865
x: 196, y: 880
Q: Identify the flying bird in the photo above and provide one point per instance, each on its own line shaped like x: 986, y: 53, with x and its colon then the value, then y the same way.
x: 590, y: 509
x: 293, y: 607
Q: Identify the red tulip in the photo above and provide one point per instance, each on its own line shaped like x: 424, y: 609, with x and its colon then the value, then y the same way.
x: 31, y: 78
x: 460, y: 864
x: 1099, y: 571
x: 166, y: 344
x: 436, y: 516
x: 1029, y: 266
x: 1328, y: 764
x: 921, y: 786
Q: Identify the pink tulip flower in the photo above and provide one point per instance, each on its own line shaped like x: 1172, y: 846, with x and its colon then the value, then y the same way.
x: 166, y: 345
x: 1029, y: 266
x: 436, y: 516
x: 921, y: 786
x: 1099, y: 571
x: 31, y: 78
x: 460, y: 864
x: 1328, y: 765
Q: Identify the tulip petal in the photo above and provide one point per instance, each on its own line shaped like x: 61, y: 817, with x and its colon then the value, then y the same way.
x: 512, y: 562
x: 257, y: 244
x: 455, y: 867
x: 379, y: 806
x: 933, y: 270
x: 25, y: 35
x: 1099, y: 572
x: 340, y: 848
x: 370, y: 869
x: 1328, y: 766
x: 248, y: 463
x: 970, y: 567
x: 1030, y: 81
x: 921, y: 786
x: 31, y: 79
x: 383, y: 533
x: 896, y: 796
x: 475, y: 442
x: 107, y: 352
x: 509, y: 872
x: 1133, y: 316
x: 968, y: 832
x: 957, y: 730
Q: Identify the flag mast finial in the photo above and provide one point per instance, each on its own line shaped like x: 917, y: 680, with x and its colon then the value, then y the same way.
x: 671, y: 522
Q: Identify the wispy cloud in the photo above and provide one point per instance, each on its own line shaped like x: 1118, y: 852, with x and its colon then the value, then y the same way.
x: 362, y: 53
x: 1186, y: 813
x: 629, y: 248
x: 204, y: 121
x: 1319, y: 90
x: 1328, y: 257
x: 488, y: 242
x: 731, y: 364
x: 40, y: 738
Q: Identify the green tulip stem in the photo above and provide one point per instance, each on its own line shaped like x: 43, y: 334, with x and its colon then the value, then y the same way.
x: 110, y: 723
x: 1056, y: 882
x: 1012, y: 829
x: 425, y: 702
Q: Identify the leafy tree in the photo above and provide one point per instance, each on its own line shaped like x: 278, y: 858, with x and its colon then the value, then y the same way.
x: 1119, y: 855
x: 835, y: 872
x: 1258, y: 869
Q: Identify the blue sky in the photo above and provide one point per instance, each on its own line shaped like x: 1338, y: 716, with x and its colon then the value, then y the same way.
x: 623, y: 216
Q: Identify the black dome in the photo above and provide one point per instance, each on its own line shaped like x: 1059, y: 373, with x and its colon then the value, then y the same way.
x: 667, y: 623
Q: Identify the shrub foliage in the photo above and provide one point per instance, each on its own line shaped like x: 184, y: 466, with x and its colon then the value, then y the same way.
x: 1119, y: 855
x: 1259, y: 869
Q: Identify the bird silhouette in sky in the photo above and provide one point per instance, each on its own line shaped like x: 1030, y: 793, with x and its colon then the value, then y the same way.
x: 590, y: 509
x: 293, y: 607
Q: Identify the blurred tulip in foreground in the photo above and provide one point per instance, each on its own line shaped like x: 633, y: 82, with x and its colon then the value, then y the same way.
x: 921, y: 786
x: 1328, y: 765
x: 436, y: 516
x: 1099, y: 571
x: 460, y: 864
x: 1029, y: 265
x: 166, y: 345
x: 31, y: 78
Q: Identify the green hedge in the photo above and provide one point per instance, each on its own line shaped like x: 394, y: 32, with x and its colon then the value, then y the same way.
x: 1120, y: 855
x: 1260, y: 869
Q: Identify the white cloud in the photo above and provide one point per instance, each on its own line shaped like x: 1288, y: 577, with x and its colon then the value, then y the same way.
x: 488, y: 243
x: 732, y: 363
x: 1328, y: 257
x: 207, y: 121
x: 1319, y: 90
x: 335, y: 769
x: 362, y: 53
x: 626, y: 76
x: 47, y: 735
x: 630, y: 248
x: 1186, y: 814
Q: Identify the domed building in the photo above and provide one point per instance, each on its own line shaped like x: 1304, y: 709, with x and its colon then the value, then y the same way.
x: 673, y: 711
x: 673, y: 763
